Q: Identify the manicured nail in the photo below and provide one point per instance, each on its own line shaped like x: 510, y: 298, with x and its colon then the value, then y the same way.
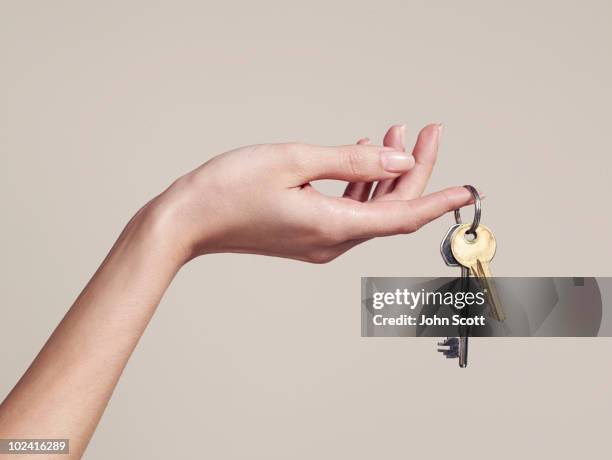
x: 395, y: 162
x: 402, y: 134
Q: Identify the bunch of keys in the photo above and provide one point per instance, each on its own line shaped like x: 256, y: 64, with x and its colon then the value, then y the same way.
x: 471, y: 247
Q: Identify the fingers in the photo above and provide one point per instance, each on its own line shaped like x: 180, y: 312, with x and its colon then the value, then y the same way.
x: 351, y: 163
x: 412, y: 184
x: 359, y: 191
x: 395, y: 138
x: 383, y: 218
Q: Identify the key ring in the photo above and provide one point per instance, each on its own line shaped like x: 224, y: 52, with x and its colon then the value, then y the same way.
x: 477, y: 211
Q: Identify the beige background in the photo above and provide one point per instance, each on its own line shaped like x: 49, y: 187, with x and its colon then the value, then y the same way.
x: 102, y: 104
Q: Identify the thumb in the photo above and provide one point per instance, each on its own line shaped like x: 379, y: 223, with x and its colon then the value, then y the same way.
x: 351, y: 163
x: 384, y: 218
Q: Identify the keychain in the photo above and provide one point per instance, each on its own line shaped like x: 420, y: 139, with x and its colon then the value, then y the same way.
x: 471, y: 247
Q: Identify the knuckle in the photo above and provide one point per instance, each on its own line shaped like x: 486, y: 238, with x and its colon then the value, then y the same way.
x: 190, y: 182
x: 300, y: 162
x: 416, y: 224
x: 413, y: 222
x: 448, y: 201
x: 292, y: 148
x: 356, y: 162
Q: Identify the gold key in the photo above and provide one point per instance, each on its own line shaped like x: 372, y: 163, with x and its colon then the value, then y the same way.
x: 475, y: 253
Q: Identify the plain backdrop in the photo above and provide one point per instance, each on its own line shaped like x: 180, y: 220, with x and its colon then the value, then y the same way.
x: 103, y: 104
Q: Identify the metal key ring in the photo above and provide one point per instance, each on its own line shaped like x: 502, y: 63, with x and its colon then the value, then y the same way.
x: 477, y: 211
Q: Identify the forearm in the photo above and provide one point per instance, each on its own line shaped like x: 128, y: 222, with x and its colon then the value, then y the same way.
x: 67, y: 387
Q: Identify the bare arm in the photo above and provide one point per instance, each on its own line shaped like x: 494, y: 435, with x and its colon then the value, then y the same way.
x: 67, y: 387
x: 255, y: 199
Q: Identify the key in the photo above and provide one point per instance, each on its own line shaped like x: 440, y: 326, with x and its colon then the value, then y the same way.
x: 449, y: 347
x: 454, y: 347
x: 445, y: 247
x: 463, y: 351
x: 463, y: 339
x: 475, y: 254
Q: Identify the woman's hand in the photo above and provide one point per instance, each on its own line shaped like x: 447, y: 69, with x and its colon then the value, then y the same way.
x: 258, y: 199
x: 255, y: 199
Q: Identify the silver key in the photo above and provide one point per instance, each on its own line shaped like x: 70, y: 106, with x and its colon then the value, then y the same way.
x: 445, y: 247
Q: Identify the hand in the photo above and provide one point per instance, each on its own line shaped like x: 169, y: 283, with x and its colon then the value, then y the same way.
x: 255, y: 199
x: 258, y: 199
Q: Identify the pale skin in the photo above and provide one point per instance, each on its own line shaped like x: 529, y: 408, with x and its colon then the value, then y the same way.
x: 255, y: 199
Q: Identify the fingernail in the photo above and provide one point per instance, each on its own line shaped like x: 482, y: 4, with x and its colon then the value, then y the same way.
x: 394, y: 161
x: 402, y: 133
x: 440, y: 128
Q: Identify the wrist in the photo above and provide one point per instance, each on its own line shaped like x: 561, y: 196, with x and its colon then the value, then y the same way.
x: 157, y: 227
